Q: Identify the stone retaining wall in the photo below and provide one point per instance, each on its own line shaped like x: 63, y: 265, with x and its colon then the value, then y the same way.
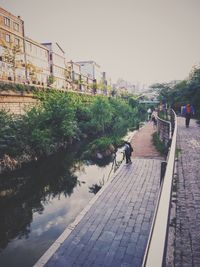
x: 16, y: 103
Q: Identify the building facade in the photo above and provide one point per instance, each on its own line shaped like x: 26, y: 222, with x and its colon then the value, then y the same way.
x: 43, y: 64
x: 91, y: 69
x: 57, y: 65
x: 12, y: 43
x: 37, y: 63
x: 80, y: 81
x: 30, y: 59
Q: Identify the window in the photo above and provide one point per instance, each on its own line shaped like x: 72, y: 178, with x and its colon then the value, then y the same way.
x: 7, y: 21
x: 17, y: 42
x: 16, y: 26
x: 7, y: 38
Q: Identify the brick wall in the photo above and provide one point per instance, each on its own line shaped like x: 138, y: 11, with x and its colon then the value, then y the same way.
x: 16, y: 103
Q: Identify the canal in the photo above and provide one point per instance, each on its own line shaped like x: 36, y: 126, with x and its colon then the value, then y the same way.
x: 41, y: 199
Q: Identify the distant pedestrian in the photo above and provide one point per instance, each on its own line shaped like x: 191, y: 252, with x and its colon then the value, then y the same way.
x: 154, y: 116
x: 149, y: 111
x: 154, y: 120
x: 128, y: 150
x: 187, y: 111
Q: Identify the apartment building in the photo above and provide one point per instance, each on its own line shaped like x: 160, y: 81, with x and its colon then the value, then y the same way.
x: 81, y: 81
x: 37, y: 62
x: 57, y: 65
x: 75, y: 75
x: 11, y: 37
x: 101, y: 81
x: 43, y: 64
x: 91, y: 69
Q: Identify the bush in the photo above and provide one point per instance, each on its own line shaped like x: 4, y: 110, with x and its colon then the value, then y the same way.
x: 160, y: 146
x: 8, y: 134
x: 61, y: 118
x: 21, y: 88
x: 100, y: 145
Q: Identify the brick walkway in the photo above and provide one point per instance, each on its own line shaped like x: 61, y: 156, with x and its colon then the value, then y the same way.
x: 142, y: 143
x: 114, y: 230
x: 187, y: 232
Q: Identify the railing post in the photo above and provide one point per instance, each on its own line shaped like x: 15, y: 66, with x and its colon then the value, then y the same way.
x: 162, y: 171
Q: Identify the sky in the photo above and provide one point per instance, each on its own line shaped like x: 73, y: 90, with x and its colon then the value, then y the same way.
x: 141, y: 41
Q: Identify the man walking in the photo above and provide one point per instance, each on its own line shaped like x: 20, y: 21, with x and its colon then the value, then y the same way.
x: 128, y: 150
x: 188, y: 111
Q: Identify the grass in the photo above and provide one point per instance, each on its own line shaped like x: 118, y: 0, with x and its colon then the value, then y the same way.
x: 159, y: 145
x: 178, y: 152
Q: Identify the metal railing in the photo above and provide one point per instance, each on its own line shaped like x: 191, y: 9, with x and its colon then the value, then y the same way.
x: 155, y: 254
x: 164, y: 130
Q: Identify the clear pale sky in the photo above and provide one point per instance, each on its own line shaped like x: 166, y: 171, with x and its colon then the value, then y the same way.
x: 138, y: 40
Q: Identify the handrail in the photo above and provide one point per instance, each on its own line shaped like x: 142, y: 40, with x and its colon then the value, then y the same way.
x: 156, y: 247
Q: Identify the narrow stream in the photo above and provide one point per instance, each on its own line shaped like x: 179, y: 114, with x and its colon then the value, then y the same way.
x: 40, y: 200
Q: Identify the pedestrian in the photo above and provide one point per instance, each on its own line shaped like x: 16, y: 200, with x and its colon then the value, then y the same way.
x: 154, y: 120
x: 154, y: 116
x: 128, y: 150
x: 188, y: 111
x: 149, y: 111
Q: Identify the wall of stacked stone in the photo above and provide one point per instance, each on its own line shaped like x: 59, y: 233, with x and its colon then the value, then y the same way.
x: 16, y: 103
x: 164, y: 131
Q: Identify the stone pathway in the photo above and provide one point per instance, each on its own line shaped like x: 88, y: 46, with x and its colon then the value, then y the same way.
x: 187, y: 231
x: 142, y: 143
x: 114, y: 229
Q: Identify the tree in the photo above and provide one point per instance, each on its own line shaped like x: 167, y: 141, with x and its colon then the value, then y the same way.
x: 11, y: 55
x: 101, y: 113
x: 51, y: 80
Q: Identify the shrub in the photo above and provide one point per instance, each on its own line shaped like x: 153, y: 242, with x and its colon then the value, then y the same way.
x: 160, y: 146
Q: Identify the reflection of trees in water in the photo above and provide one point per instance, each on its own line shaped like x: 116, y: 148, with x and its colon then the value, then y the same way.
x: 115, y: 165
x: 28, y: 190
x: 96, y: 187
x: 99, y: 162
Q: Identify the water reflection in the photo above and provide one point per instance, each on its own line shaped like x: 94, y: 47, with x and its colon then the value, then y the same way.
x: 117, y: 160
x: 96, y: 187
x: 38, y: 201
x: 28, y: 190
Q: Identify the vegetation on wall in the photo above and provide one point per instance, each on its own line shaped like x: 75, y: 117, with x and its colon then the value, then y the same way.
x: 18, y: 88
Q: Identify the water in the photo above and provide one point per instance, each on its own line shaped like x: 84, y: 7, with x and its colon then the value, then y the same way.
x: 39, y: 201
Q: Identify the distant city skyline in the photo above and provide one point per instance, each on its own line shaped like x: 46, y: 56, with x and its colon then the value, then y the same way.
x: 139, y: 41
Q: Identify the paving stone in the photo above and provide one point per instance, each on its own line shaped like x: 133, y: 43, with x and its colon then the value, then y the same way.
x: 187, y: 228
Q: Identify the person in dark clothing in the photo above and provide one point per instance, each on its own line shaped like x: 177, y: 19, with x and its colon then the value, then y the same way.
x: 188, y: 111
x: 128, y: 150
x: 153, y: 118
